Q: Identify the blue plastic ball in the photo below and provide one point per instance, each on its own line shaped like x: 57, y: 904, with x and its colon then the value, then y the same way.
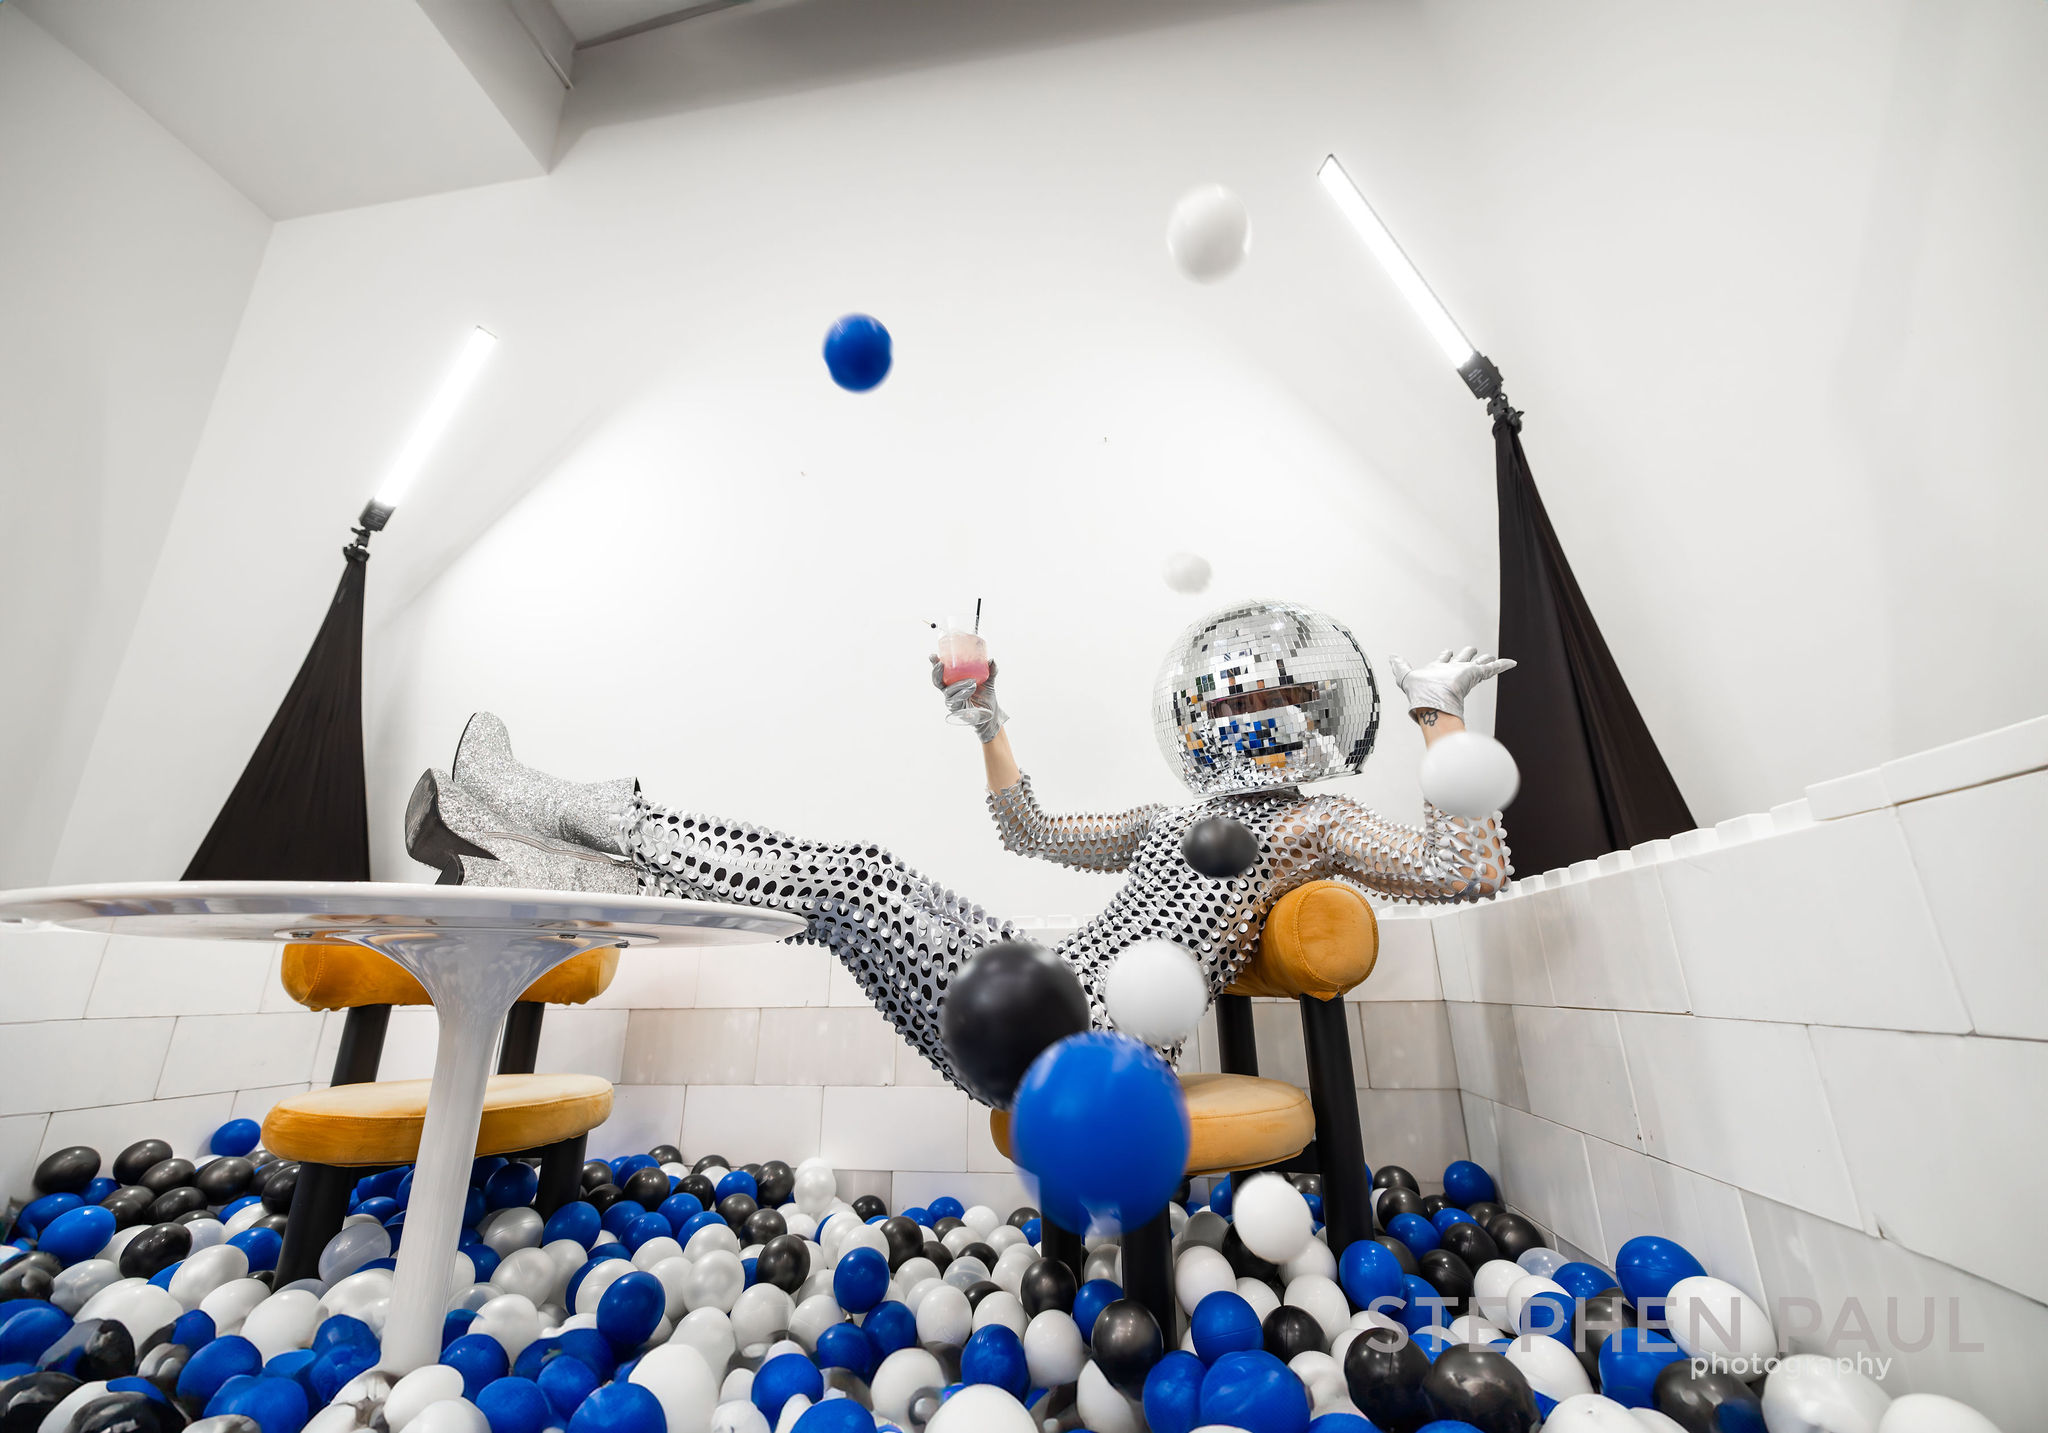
x: 512, y: 1187
x: 379, y: 1207
x: 193, y: 1329
x: 261, y: 1245
x: 835, y: 1415
x: 578, y: 1220
x: 630, y: 1308
x: 858, y: 354
x: 100, y: 1187
x: 454, y: 1324
x: 590, y: 1348
x: 332, y: 1370
x: 890, y: 1326
x: 236, y: 1137
x: 1630, y: 1360
x: 1369, y: 1273
x: 484, y: 1166
x: 1466, y: 1184
x: 295, y: 1364
x: 781, y: 1377
x: 514, y: 1405
x: 1173, y: 1392
x: 709, y: 1219
x: 482, y: 1258
x: 1422, y: 1304
x: 1100, y: 1120
x: 1255, y: 1392
x: 1091, y: 1299
x: 860, y: 1279
x: 736, y: 1181
x: 480, y: 1359
x: 619, y: 1408
x: 994, y: 1354
x: 1034, y: 1232
x: 1341, y: 1423
x: 601, y: 1254
x: 1582, y: 1280
x: 567, y: 1382
x: 642, y: 1228
x: 679, y: 1209
x: 1648, y: 1265
x: 632, y: 1164
x: 79, y: 1233
x: 1446, y: 1217
x: 1220, y: 1194
x: 37, y: 1214
x: 1551, y: 1314
x: 162, y: 1277
x: 279, y: 1405
x: 1452, y: 1425
x: 340, y: 1331
x: 210, y: 1367
x: 1431, y: 1341
x: 27, y: 1327
x: 1224, y: 1322
x: 946, y: 1207
x: 848, y: 1346
x: 616, y: 1218
x: 1416, y: 1232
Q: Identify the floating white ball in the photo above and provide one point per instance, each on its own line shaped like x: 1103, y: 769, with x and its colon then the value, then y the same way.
x: 1188, y: 572
x: 1155, y: 992
x: 1469, y: 775
x: 1208, y: 233
x: 1272, y: 1218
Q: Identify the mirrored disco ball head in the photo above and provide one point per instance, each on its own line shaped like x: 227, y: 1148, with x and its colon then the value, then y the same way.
x: 1263, y: 695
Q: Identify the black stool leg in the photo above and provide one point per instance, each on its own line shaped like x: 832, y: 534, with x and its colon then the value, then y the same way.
x: 521, y: 1044
x: 1148, y: 1273
x: 561, y: 1174
x: 1340, y: 1148
x: 1240, y: 1051
x: 1065, y: 1247
x: 319, y: 1205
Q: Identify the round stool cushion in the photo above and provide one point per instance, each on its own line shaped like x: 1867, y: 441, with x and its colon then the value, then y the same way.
x: 336, y: 975
x: 379, y: 1122
x: 1319, y: 939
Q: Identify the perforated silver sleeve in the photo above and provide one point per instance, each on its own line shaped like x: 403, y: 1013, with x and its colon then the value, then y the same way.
x: 1087, y: 843
x: 1447, y: 858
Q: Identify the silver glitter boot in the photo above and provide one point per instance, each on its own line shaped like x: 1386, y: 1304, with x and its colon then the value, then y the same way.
x: 591, y: 815
x: 472, y: 844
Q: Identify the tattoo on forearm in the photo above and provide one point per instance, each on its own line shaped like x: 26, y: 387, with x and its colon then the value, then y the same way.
x: 1427, y: 716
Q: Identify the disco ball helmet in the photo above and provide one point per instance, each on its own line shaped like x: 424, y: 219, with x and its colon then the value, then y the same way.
x: 1263, y: 695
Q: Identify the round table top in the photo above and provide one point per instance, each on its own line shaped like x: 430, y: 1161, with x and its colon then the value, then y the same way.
x: 309, y: 910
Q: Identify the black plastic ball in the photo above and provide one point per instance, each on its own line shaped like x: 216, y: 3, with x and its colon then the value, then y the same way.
x: 710, y: 1161
x: 603, y: 1196
x: 1289, y: 1330
x: 279, y: 1188
x: 129, y: 1411
x: 193, y: 1216
x: 752, y: 1170
x: 981, y: 1251
x: 67, y: 1171
x: 138, y: 1159
x: 129, y: 1205
x: 1047, y: 1284
x: 1393, y: 1200
x: 1244, y: 1263
x: 174, y: 1203
x: 1220, y: 848
x: 1001, y: 1010
x: 1127, y: 1342
x: 938, y: 1253
x: 277, y: 1222
x: 156, y: 1247
x: 167, y: 1174
x: 664, y: 1154
x: 32, y: 1276
x: 92, y: 1348
x: 1515, y: 1235
x: 1695, y: 1401
x: 868, y: 1206
x: 1392, y: 1176
x: 1481, y: 1388
x: 1484, y: 1210
x: 223, y: 1179
x: 763, y: 1225
x: 1383, y: 1372
x: 702, y: 1188
x: 736, y: 1209
x: 979, y: 1290
x: 785, y: 1262
x: 1432, y: 1203
x: 1403, y: 1256
x: 1449, y: 1275
x: 646, y: 1188
x: 162, y: 1363
x: 906, y: 1240
x: 1595, y: 1320
x: 1470, y: 1243
x: 596, y: 1172
x: 776, y: 1182
x: 945, y: 1225
x: 1306, y: 1183
x: 1023, y: 1214
x: 26, y: 1399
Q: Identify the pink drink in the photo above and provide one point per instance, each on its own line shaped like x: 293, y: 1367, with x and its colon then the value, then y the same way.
x: 962, y: 655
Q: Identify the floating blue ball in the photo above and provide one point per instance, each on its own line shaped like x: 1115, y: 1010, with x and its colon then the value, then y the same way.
x: 994, y: 1354
x: 782, y: 1377
x: 619, y: 1408
x: 1630, y: 1360
x: 1100, y: 1120
x: 678, y: 1209
x: 278, y: 1405
x: 737, y: 1181
x: 1220, y: 1196
x: 1648, y: 1265
x: 27, y: 1327
x: 261, y: 1245
x: 890, y: 1326
x: 1255, y: 1392
x: 567, y: 1382
x: 1416, y: 1232
x: 848, y: 1346
x: 858, y: 354
x: 630, y: 1308
x: 512, y: 1187
x: 77, y: 1233
x: 514, y: 1405
x: 860, y: 1279
x: 835, y: 1415
x: 946, y: 1207
x: 1369, y: 1273
x: 578, y: 1220
x: 1173, y: 1392
x: 340, y: 1331
x: 236, y: 1137
x: 480, y: 1359
x: 1091, y: 1299
x: 1224, y: 1322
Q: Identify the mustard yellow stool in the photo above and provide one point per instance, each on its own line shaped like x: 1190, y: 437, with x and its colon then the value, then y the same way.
x: 1317, y: 942
x: 359, y: 1121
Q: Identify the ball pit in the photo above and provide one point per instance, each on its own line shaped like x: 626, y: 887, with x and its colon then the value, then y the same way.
x: 754, y: 1298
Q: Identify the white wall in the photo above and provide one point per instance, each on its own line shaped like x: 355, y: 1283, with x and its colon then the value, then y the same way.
x: 124, y: 267
x: 1763, y: 278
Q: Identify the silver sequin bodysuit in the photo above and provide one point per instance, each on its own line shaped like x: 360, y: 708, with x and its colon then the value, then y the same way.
x: 902, y: 936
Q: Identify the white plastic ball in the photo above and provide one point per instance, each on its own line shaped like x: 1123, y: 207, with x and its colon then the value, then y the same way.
x: 1187, y: 572
x: 1324, y: 1300
x: 964, y: 1273
x: 1155, y: 992
x: 1520, y: 1292
x: 914, y: 1271
x: 73, y: 1286
x: 1053, y: 1349
x: 1490, y: 1285
x: 1543, y: 1260
x: 1011, y: 1267
x: 1001, y: 1307
x: 982, y: 1220
x: 239, y: 1220
x: 1469, y: 774
x: 738, y: 1384
x: 334, y: 1418
x: 530, y: 1273
x: 761, y: 1315
x: 799, y: 1223
x: 200, y: 1274
x: 1198, y: 1273
x: 512, y: 1319
x: 1272, y: 1218
x: 136, y: 1305
x: 424, y: 1385
x: 282, y: 1322
x: 715, y: 1281
x: 1315, y: 1258
x: 815, y: 1187
x: 1931, y: 1413
x: 709, y: 1331
x: 712, y: 1239
x: 1007, y: 1236
x: 353, y: 1246
x: 605, y: 1275
x: 1323, y: 1378
x: 813, y: 1316
x: 944, y: 1318
x: 1470, y: 1328
x: 1590, y: 1413
x: 362, y: 1295
x: 1711, y: 1318
x: 914, y: 1297
x: 1550, y: 1366
x: 902, y: 1374
x: 1103, y: 1408
x: 1208, y: 233
x: 982, y: 1408
x: 1811, y: 1393
x: 678, y: 1376
x: 60, y: 1418
x: 1205, y: 1227
x: 958, y: 1239
x: 739, y: 1416
x: 655, y: 1250
x: 470, y: 1299
x: 675, y: 1277
x: 450, y: 1415
x: 1260, y: 1295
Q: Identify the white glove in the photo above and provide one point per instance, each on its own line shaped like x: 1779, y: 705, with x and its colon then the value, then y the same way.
x: 972, y: 703
x: 1444, y: 684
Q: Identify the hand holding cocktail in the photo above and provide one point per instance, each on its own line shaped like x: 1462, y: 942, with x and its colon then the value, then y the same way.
x: 962, y: 670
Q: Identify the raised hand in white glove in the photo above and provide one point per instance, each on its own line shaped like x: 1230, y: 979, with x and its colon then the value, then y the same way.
x: 972, y: 703
x: 1444, y: 684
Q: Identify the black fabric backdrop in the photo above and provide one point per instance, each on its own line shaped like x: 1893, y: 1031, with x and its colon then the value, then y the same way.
x: 1593, y: 780
x: 300, y: 812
